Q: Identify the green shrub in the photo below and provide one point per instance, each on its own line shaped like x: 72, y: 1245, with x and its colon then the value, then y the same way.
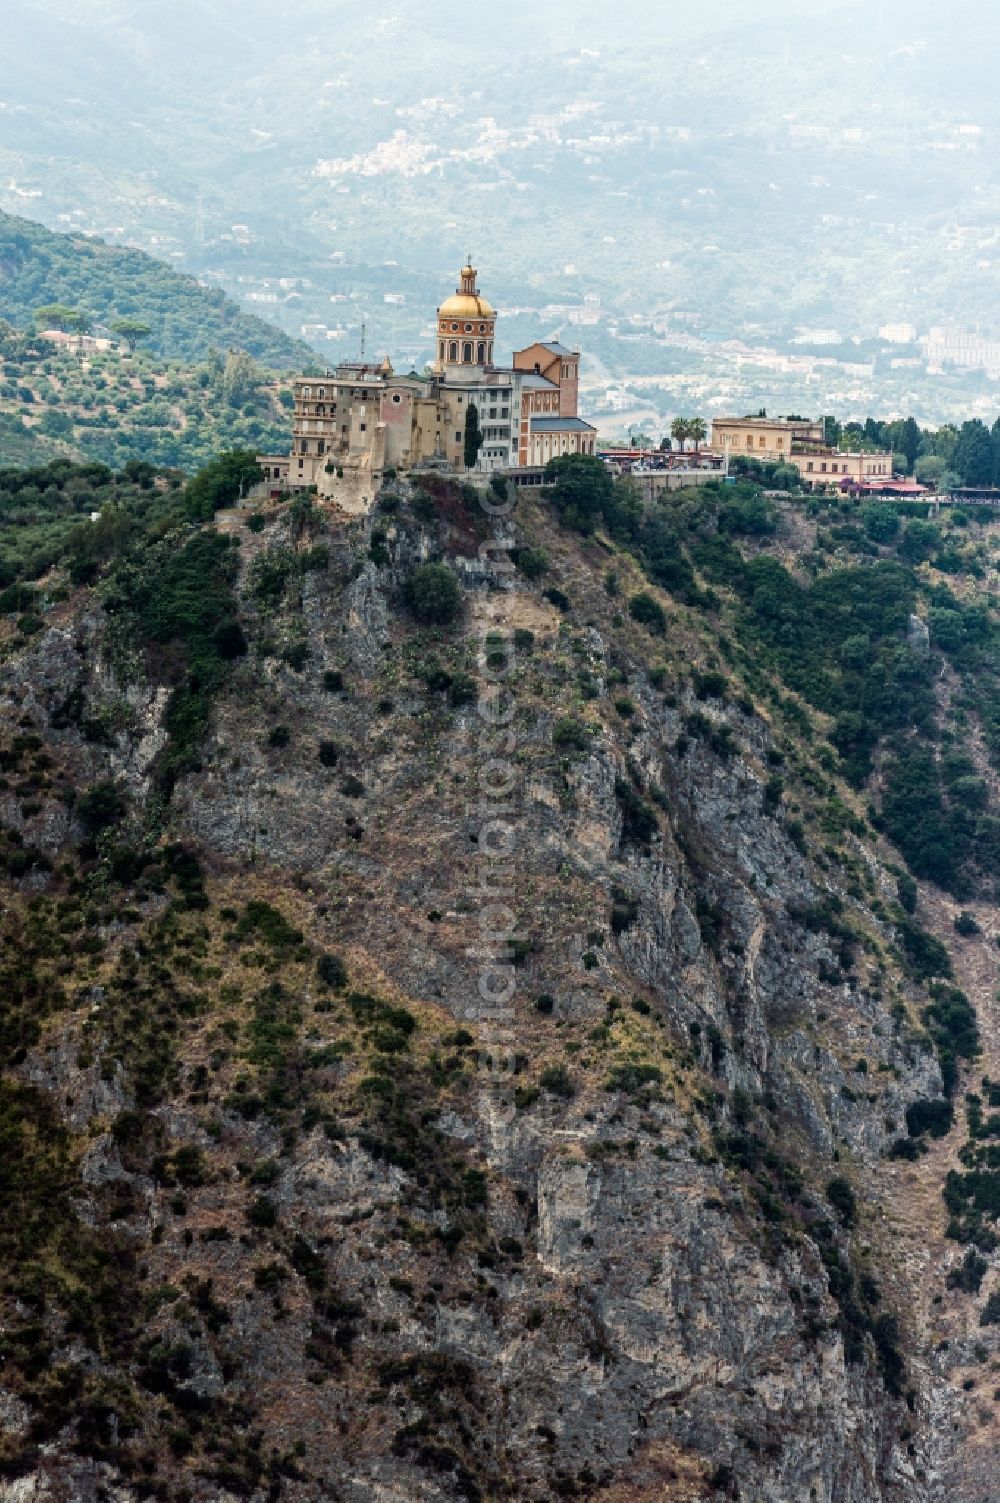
x: 570, y: 734
x: 101, y: 806
x: 969, y: 1275
x: 259, y: 921
x: 230, y: 642
x: 934, y: 1117
x: 532, y: 562
x: 433, y: 594
x: 841, y: 1196
x: 262, y: 1212
x: 647, y: 610
x: 332, y: 971
x: 555, y: 1079
x: 639, y: 823
x: 906, y: 891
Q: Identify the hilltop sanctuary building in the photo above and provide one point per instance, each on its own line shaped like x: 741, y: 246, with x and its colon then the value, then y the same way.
x: 359, y: 420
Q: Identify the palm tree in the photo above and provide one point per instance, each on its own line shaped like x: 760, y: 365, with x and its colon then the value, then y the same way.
x: 680, y: 431
x: 697, y: 431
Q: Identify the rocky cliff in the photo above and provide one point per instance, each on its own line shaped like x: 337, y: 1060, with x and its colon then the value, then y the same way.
x: 461, y: 1041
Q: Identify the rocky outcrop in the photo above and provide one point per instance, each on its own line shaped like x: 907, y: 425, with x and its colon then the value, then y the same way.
x: 614, y: 1267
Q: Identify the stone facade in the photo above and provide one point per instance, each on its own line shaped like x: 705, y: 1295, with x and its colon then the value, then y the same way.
x: 770, y: 439
x: 355, y: 422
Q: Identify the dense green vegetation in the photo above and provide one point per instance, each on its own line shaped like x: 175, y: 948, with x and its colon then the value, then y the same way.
x: 105, y: 284
x: 966, y: 454
x: 166, y: 583
x: 835, y: 632
x: 45, y: 518
x: 113, y: 407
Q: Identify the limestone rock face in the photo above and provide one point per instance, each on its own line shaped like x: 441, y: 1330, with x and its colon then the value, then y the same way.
x: 608, y: 1271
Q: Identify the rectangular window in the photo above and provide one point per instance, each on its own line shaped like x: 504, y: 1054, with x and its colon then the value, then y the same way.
x: 809, y: 465
x: 363, y: 427
x: 458, y: 438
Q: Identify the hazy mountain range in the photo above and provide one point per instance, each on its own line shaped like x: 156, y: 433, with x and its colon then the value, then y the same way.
x: 828, y: 165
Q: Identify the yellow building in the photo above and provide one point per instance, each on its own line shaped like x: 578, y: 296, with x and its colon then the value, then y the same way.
x: 800, y: 442
x: 769, y: 439
x: 829, y: 467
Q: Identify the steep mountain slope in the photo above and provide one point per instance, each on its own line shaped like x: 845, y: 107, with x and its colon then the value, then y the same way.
x: 187, y: 320
x: 464, y: 1036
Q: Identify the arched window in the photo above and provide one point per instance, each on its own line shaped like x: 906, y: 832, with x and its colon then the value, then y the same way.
x: 480, y: 353
x: 441, y: 349
x: 467, y: 352
x: 453, y: 351
x: 489, y: 352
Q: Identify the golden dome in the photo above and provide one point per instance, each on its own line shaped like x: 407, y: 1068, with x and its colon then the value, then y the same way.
x: 466, y: 301
x: 466, y: 305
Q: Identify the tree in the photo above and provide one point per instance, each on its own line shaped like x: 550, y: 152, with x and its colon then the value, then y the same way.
x: 433, y: 594
x: 973, y: 454
x: 941, y: 442
x: 240, y: 378
x: 219, y: 484
x: 680, y: 432
x: 881, y: 523
x: 645, y: 608
x: 928, y: 470
x: 907, y: 441
x: 582, y: 490
x: 56, y: 424
x: 473, y: 436
x: 697, y: 431
x: 59, y: 316
x: 131, y: 330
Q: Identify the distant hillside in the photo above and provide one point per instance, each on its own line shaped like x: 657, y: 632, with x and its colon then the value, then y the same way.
x: 38, y: 267
x: 113, y: 407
